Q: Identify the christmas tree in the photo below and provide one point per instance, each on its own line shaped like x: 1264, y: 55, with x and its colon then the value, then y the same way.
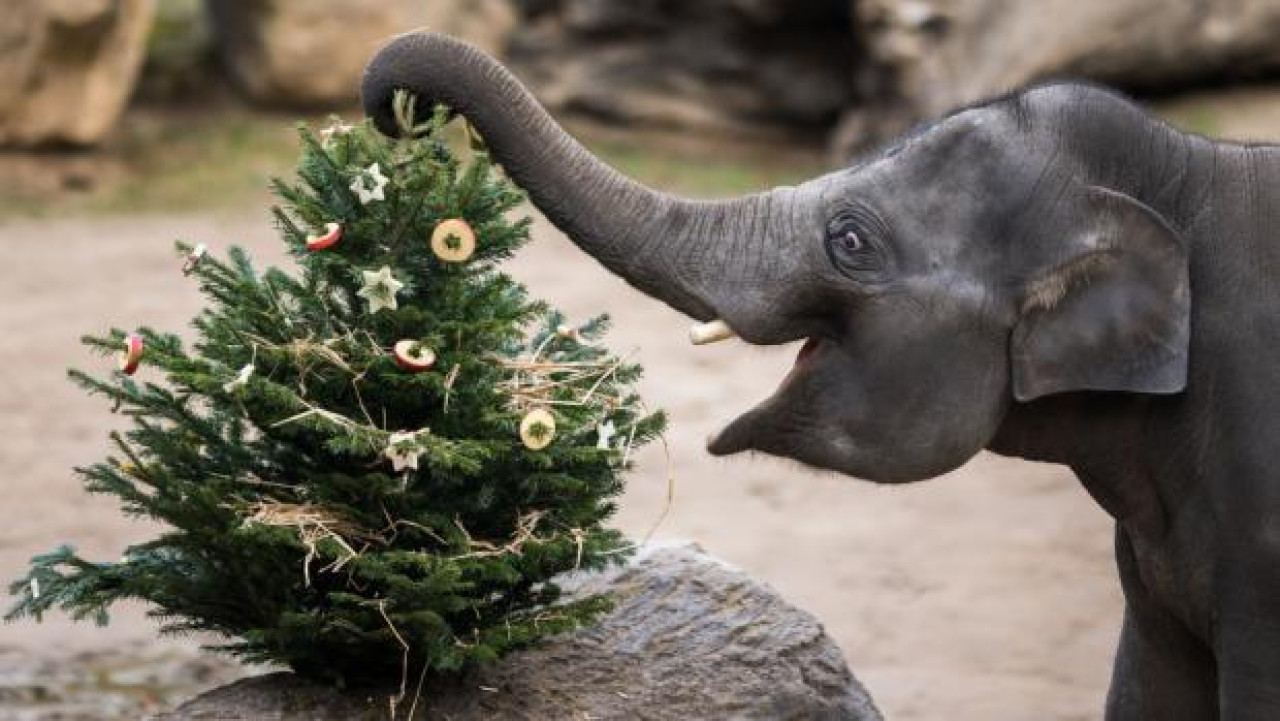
x: 373, y: 468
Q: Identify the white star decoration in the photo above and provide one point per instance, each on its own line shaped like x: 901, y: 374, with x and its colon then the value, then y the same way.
x: 403, y: 450
x: 606, y: 432
x: 380, y: 289
x: 368, y: 184
x: 241, y: 380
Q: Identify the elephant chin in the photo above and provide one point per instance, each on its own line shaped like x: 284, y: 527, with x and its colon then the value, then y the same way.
x: 738, y: 436
x: 805, y: 422
x: 789, y: 423
x: 781, y: 427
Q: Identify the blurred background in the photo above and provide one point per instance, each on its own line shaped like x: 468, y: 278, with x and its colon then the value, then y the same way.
x: 126, y: 124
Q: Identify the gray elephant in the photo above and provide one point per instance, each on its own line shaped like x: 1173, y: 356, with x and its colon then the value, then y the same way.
x: 1053, y: 274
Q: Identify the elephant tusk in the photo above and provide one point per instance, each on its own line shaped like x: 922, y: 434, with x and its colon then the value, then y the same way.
x: 713, y: 332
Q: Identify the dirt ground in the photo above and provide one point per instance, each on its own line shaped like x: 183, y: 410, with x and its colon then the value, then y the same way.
x: 987, y: 595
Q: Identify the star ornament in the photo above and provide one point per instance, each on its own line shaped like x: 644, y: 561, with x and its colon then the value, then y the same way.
x: 380, y: 289
x: 604, y: 435
x: 368, y: 185
x: 403, y: 450
x: 240, y: 381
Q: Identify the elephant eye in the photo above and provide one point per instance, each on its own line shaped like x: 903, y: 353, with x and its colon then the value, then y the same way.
x: 852, y: 252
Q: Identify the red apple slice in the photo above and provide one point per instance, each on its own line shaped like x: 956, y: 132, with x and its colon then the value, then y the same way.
x: 131, y: 356
x: 193, y: 259
x: 331, y: 236
x: 413, y: 356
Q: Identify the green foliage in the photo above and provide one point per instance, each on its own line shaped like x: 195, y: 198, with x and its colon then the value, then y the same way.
x: 270, y: 446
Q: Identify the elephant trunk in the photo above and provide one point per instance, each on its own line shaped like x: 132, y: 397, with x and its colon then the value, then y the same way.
x: 686, y: 253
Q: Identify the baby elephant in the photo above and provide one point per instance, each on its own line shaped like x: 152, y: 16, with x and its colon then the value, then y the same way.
x: 1053, y: 274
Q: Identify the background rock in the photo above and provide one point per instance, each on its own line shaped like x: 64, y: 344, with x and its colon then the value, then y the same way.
x: 864, y: 70
x: 67, y: 67
x: 854, y: 72
x: 932, y: 55
x: 690, y: 638
x: 740, y: 65
x: 312, y: 52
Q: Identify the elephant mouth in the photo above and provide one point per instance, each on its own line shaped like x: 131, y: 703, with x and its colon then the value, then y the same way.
x: 743, y: 433
x: 807, y: 351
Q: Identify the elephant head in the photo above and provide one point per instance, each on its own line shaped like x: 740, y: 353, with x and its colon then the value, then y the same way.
x: 975, y: 264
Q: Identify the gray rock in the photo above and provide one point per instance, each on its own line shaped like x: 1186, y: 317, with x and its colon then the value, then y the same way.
x: 125, y: 681
x: 67, y: 67
x: 312, y: 52
x: 749, y: 67
x: 865, y: 70
x: 690, y: 638
x: 932, y: 55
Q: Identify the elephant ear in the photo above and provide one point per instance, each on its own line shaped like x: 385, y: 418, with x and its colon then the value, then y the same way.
x: 1114, y: 315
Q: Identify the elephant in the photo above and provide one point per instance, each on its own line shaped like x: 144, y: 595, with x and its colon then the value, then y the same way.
x: 1053, y: 274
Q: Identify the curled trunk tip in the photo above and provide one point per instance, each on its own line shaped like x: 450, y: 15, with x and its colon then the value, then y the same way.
x: 399, y: 66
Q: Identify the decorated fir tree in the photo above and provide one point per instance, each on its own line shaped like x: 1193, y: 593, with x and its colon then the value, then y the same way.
x: 372, y: 468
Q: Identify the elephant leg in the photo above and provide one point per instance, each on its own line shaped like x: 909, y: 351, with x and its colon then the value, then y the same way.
x: 1250, y: 673
x: 1249, y: 641
x: 1162, y: 672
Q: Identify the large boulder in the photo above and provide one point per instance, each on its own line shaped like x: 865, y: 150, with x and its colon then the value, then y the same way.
x: 309, y: 53
x: 67, y: 67
x: 933, y: 55
x: 690, y: 638
x: 746, y: 66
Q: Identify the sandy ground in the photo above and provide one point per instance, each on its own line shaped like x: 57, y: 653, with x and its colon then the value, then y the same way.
x: 985, y: 595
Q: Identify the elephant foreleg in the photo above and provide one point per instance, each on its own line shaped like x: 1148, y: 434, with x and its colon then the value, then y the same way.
x: 1162, y: 672
x: 1249, y: 639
